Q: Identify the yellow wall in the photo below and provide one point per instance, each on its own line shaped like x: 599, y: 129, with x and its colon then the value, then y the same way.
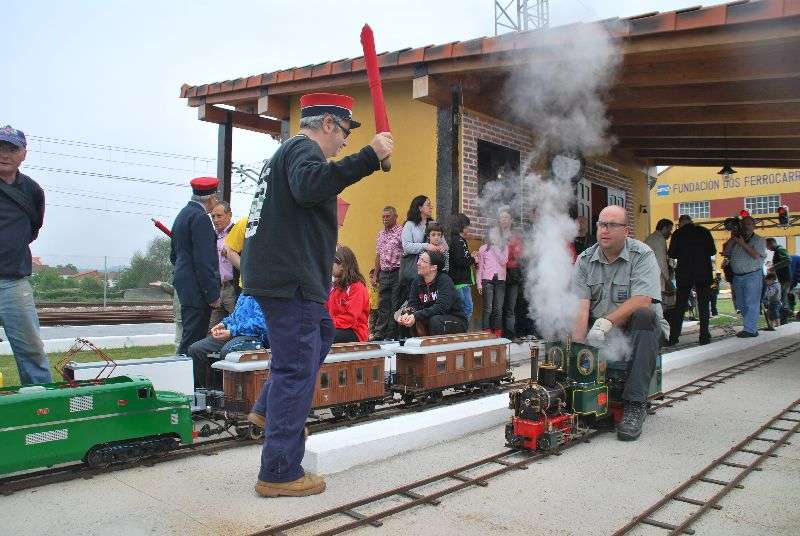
x: 413, y: 172
x: 703, y: 184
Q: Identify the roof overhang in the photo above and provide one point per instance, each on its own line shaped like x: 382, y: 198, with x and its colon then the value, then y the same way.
x: 700, y: 86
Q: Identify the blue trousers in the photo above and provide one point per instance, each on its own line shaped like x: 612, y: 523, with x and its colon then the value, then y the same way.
x: 748, y: 298
x: 21, y: 324
x: 466, y: 301
x: 301, y: 334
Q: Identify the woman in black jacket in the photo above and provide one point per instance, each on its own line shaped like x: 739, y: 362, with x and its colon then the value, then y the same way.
x: 434, y: 307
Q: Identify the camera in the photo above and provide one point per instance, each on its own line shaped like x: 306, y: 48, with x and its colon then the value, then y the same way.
x: 734, y: 225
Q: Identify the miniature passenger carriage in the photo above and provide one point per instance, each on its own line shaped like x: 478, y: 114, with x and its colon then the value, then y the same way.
x: 572, y: 390
x: 467, y: 361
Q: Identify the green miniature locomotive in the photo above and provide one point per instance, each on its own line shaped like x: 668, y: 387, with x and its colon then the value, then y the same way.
x: 99, y: 422
x: 573, y: 388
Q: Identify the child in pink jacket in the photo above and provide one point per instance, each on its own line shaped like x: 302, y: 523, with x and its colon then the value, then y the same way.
x: 491, y: 278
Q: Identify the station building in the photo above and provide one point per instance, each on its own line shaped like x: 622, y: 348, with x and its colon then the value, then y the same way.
x: 688, y: 80
x: 709, y: 198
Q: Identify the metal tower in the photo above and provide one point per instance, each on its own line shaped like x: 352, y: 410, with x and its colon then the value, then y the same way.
x: 519, y: 15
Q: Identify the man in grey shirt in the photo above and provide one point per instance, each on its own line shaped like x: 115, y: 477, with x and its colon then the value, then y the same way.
x: 617, y: 281
x: 746, y: 252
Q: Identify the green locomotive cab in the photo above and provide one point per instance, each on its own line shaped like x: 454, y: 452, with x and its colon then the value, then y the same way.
x: 99, y: 422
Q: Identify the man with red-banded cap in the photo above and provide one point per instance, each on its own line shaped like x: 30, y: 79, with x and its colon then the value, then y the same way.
x: 194, y: 255
x: 286, y: 264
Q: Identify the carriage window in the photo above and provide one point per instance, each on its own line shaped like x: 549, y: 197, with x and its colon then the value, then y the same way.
x: 376, y: 373
x: 342, y: 377
x: 493, y: 357
x: 477, y: 359
x: 441, y: 363
x: 324, y: 381
x: 143, y: 392
x: 359, y: 375
x: 459, y: 361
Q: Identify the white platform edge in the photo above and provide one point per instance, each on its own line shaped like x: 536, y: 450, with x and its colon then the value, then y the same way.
x: 109, y: 341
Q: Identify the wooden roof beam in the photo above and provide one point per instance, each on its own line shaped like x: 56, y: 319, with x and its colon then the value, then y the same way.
x: 719, y: 154
x: 778, y: 90
x: 737, y: 114
x: 780, y: 164
x: 752, y: 144
x: 254, y: 123
x: 750, y: 130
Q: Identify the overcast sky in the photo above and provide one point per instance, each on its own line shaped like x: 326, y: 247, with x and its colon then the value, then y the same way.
x: 95, y: 86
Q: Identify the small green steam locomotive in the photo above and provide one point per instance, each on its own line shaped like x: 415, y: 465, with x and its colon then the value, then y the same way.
x: 573, y: 388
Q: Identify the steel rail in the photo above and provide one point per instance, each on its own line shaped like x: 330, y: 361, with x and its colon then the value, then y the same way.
x: 417, y: 499
x: 746, y: 446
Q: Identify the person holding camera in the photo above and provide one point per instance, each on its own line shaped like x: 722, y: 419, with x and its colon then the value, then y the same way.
x: 746, y: 252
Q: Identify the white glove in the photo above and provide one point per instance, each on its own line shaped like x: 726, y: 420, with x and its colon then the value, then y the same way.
x: 597, y: 335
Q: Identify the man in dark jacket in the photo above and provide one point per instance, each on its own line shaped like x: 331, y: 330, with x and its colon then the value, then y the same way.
x: 434, y: 307
x: 781, y: 265
x: 692, y: 245
x: 194, y: 255
x: 286, y: 264
x: 21, y: 217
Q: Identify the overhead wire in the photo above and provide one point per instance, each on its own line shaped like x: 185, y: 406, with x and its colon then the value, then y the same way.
x: 77, y: 143
x: 86, y: 157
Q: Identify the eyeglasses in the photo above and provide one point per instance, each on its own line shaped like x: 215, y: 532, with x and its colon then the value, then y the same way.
x: 337, y: 260
x: 345, y: 131
x: 610, y: 225
x: 423, y: 261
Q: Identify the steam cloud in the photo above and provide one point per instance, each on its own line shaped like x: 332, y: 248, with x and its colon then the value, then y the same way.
x: 560, y: 96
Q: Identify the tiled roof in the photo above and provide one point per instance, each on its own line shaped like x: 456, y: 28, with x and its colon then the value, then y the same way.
x: 647, y: 23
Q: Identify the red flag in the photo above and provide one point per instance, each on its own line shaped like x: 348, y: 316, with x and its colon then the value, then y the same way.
x: 375, y: 87
x: 162, y: 227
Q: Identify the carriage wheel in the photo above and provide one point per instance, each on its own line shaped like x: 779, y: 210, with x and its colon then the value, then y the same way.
x: 408, y: 399
x: 94, y: 458
x: 256, y: 432
x: 352, y: 412
x: 338, y: 412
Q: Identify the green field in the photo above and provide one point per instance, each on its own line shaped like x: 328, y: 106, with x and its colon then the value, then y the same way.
x: 11, y: 377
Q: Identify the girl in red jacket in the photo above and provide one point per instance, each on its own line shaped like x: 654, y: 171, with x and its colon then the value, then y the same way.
x: 348, y: 300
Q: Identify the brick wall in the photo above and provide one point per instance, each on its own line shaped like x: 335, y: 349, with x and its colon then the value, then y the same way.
x: 477, y: 126
x: 609, y: 178
x: 474, y: 127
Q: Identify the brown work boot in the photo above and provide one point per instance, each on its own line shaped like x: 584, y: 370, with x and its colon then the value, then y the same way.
x: 257, y: 419
x: 308, y: 484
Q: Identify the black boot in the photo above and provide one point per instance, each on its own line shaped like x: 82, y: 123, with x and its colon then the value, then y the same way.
x: 630, y: 428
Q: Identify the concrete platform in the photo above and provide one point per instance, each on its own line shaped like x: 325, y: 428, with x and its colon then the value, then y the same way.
x: 591, y: 490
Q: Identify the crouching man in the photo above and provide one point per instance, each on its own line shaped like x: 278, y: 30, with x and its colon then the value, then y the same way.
x: 617, y: 281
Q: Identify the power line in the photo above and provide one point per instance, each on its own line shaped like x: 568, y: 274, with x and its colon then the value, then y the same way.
x: 127, y: 201
x: 76, y: 143
x: 149, y: 214
x: 97, y: 192
x: 113, y: 161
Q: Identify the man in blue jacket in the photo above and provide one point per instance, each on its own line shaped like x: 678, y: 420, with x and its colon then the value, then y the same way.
x: 194, y: 255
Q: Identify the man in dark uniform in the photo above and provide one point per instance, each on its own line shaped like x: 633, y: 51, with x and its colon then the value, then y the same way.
x: 194, y: 255
x: 692, y: 245
x: 286, y: 264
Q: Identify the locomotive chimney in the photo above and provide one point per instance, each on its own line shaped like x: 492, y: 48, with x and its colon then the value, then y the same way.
x: 534, y: 362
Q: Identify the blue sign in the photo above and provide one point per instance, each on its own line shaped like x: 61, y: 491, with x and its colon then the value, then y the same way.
x: 662, y: 189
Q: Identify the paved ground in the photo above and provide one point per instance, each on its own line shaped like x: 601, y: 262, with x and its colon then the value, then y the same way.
x: 591, y: 489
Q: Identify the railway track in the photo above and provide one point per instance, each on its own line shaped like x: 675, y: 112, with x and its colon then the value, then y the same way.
x: 74, y: 317
x: 752, y: 447
x: 509, y: 460
x: 11, y: 484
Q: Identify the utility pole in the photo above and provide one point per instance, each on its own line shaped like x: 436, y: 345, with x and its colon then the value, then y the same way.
x: 521, y: 15
x: 105, y: 282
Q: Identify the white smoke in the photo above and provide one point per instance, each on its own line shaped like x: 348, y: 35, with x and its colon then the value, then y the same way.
x: 617, y: 346
x: 560, y: 96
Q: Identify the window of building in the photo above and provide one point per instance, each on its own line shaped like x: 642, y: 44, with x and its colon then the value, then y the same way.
x: 441, y: 364
x: 762, y: 204
x: 324, y: 381
x: 342, y: 377
x: 616, y: 197
x: 495, y: 162
x: 359, y: 375
x: 695, y: 209
x: 376, y: 373
x: 459, y: 361
x: 477, y: 359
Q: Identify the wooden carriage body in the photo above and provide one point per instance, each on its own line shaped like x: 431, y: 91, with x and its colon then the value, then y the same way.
x: 440, y: 362
x: 352, y: 373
